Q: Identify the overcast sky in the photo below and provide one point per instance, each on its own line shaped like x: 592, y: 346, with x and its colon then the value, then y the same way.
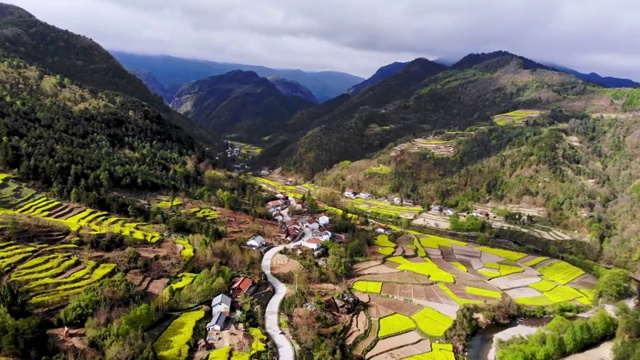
x: 358, y: 36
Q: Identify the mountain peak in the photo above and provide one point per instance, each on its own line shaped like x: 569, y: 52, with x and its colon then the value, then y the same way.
x: 9, y: 12
x: 381, y: 74
x: 475, y: 59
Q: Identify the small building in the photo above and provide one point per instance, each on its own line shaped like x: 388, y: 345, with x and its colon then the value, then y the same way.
x: 275, y: 204
x: 397, y: 200
x: 365, y: 195
x: 383, y: 230
x: 313, y: 244
x: 257, y: 242
x: 323, y: 219
x: 349, y: 193
x: 241, y: 286
x: 217, y: 321
x: 312, y: 224
x: 282, y: 196
x: 221, y: 303
x: 449, y: 212
x: 264, y: 172
x: 436, y: 208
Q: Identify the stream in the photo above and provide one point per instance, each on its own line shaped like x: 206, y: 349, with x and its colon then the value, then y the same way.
x: 481, y: 344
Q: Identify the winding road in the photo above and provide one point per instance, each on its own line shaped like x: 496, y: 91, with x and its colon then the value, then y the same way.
x: 285, y: 349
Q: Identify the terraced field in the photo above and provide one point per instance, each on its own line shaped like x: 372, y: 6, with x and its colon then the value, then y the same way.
x: 18, y: 200
x: 518, y: 117
x: 204, y: 213
x: 49, y: 273
x: 428, y: 278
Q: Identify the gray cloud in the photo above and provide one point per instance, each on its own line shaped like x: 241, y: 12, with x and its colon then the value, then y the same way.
x: 358, y: 36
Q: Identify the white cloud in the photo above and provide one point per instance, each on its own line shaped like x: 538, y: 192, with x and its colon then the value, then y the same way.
x: 358, y: 36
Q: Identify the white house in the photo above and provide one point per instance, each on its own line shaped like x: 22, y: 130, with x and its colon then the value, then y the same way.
x: 264, y: 172
x: 312, y: 224
x: 397, y: 201
x: 256, y: 242
x: 217, y: 321
x: 221, y: 303
x: 281, y: 196
x: 323, y: 219
x: 383, y: 230
x: 364, y: 195
x: 349, y: 193
x: 449, y: 212
x: 323, y: 235
x: 313, y: 244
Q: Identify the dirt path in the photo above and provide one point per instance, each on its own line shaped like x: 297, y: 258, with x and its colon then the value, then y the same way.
x: 373, y: 333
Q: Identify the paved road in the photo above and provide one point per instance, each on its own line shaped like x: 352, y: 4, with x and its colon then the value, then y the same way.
x: 285, y: 350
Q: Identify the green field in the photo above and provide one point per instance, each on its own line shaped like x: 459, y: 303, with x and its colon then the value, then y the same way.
x: 504, y: 269
x: 395, y: 324
x: 427, y: 268
x: 460, y: 301
x: 378, y: 170
x: 459, y: 266
x: 383, y: 240
x: 434, y: 242
x: 220, y: 354
x: 535, y: 261
x: 517, y: 117
x: 167, y: 204
x: 432, y: 322
x: 204, y: 213
x: 367, y: 286
x: 438, y: 352
x: 482, y: 292
x: 386, y: 250
x: 173, y: 343
x: 560, y: 272
x: 188, y: 250
x: 382, y: 208
x: 543, y: 285
x: 507, y: 254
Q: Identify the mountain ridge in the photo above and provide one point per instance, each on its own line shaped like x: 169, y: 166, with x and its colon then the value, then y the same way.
x: 170, y: 70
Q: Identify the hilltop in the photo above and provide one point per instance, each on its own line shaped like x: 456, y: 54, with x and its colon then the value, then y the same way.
x: 239, y: 104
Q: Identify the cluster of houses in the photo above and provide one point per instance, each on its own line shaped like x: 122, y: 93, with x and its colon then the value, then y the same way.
x: 233, y: 150
x: 222, y: 304
x: 449, y: 211
x: 351, y: 194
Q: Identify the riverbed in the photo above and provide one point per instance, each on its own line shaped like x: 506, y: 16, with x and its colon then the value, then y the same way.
x: 483, y: 345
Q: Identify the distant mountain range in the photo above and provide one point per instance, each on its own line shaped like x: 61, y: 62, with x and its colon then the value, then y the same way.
x: 382, y: 73
x: 239, y: 104
x: 169, y: 71
x: 607, y: 81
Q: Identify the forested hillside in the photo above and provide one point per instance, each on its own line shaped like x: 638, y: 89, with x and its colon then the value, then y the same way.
x: 239, y: 105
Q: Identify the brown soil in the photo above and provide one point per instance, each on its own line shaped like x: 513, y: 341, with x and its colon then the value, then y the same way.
x: 364, y: 297
x: 373, y: 333
x: 376, y: 270
x: 71, y: 271
x: 157, y: 286
x: 365, y: 265
x: 359, y: 325
x: 385, y: 305
x: 281, y: 264
x: 398, y: 277
x: 394, y: 342
x: 135, y: 276
x: 405, y: 352
x: 165, y: 248
x: 75, y: 338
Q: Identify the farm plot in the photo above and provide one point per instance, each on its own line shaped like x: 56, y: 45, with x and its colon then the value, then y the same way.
x: 172, y: 344
x: 460, y: 301
x: 426, y: 268
x: 204, y: 213
x: 518, y: 117
x: 383, y: 208
x: 187, y: 251
x: 434, y: 242
x: 383, y: 240
x: 292, y: 191
x: 395, y: 324
x: 560, y: 272
x: 482, y: 292
x: 168, y: 204
x: 438, y: 352
x: 535, y: 261
x: 59, y: 289
x: 507, y: 254
x: 373, y: 287
x: 432, y: 322
x: 503, y: 269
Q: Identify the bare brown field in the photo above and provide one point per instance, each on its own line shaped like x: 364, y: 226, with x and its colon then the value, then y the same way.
x: 394, y: 342
x: 387, y: 306
x: 407, y: 351
x: 359, y: 325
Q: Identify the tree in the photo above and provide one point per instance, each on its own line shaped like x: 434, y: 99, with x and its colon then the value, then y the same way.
x: 614, y: 285
x: 603, y: 326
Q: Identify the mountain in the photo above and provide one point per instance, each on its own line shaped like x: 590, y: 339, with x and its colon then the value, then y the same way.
x: 171, y: 70
x: 382, y: 73
x: 153, y: 84
x: 607, y: 81
x: 422, y: 97
x: 70, y: 112
x: 239, y: 104
x: 292, y: 88
x: 79, y: 59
